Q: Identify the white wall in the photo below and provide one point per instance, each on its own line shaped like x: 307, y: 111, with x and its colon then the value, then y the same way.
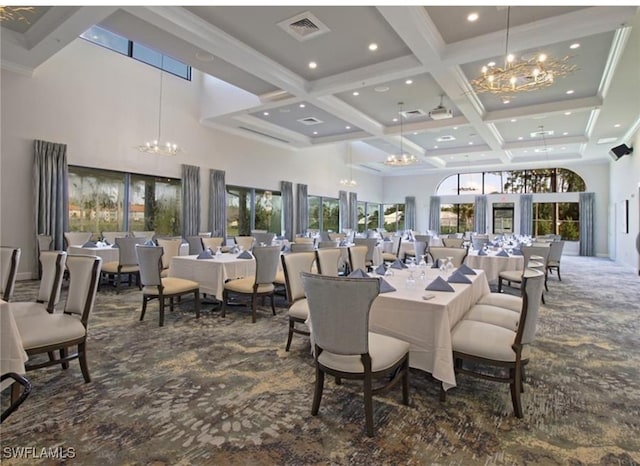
x: 625, y: 185
x: 102, y: 104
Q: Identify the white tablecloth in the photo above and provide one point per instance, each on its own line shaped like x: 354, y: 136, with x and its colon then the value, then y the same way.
x: 492, y: 264
x: 12, y: 354
x: 426, y: 325
x: 110, y: 254
x: 212, y: 273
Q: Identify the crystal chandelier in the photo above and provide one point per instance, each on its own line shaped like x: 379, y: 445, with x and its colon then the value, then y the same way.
x: 517, y: 76
x: 401, y: 160
x: 156, y: 146
x: 349, y: 182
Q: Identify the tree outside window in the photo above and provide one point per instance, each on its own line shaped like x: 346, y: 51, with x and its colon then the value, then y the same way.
x: 456, y: 218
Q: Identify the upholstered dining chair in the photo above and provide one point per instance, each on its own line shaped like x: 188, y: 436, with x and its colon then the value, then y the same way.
x: 337, y: 236
x: 357, y: 257
x: 418, y: 251
x: 302, y: 247
x: 328, y: 260
x: 343, y: 345
x: 76, y: 238
x: 9, y: 262
x: 452, y: 242
x: 148, y: 235
x: 479, y: 241
x: 59, y: 331
x: 293, y: 265
x: 171, y: 249
x: 395, y: 250
x: 110, y: 236
x: 457, y: 254
x: 154, y: 286
x: 213, y: 243
x: 304, y: 239
x: 487, y: 345
x: 45, y: 243
x: 16, y: 401
x: 264, y: 238
x: 127, y: 263
x: 259, y: 285
x: 196, y: 246
x: 535, y: 257
x: 245, y: 242
x: 371, y: 244
x: 555, y: 256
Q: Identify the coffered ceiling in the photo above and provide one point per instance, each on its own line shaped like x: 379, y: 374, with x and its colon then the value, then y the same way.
x: 424, y: 56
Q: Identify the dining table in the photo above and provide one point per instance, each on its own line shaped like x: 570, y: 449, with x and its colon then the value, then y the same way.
x: 111, y: 254
x: 12, y: 354
x: 493, y: 264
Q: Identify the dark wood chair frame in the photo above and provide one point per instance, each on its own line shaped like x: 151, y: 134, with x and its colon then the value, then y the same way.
x: 292, y: 320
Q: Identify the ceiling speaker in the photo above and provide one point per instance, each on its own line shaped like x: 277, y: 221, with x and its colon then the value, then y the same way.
x: 619, y: 151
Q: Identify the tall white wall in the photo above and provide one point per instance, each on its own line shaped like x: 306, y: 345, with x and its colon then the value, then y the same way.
x: 102, y: 104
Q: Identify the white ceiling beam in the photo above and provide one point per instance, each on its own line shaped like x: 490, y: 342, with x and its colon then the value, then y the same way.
x: 585, y: 103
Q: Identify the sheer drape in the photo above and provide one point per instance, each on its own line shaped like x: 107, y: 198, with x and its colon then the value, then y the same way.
x: 526, y: 214
x: 286, y: 190
x: 302, y: 209
x: 343, y: 207
x: 587, y: 218
x: 480, y: 214
x: 353, y: 211
x: 51, y: 195
x: 410, y: 213
x: 434, y: 214
x: 190, y: 200
x: 217, y: 203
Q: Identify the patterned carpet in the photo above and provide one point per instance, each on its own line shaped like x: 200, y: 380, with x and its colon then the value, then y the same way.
x: 224, y: 391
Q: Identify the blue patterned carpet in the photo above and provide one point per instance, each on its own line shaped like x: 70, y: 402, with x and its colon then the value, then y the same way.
x: 224, y: 391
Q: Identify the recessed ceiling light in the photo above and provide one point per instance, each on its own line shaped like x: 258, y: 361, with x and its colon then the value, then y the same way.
x: 313, y: 65
x: 472, y: 17
x: 266, y: 113
x: 617, y: 125
x: 505, y: 101
x: 451, y: 158
x: 356, y: 93
x: 491, y: 63
x: 302, y: 105
x: 481, y: 155
x: 347, y: 127
x: 565, y: 133
x: 520, y: 138
x: 435, y: 147
x: 415, y: 133
x: 525, y: 151
x: 455, y: 127
x: 409, y: 81
x: 381, y: 88
x: 563, y: 148
x: 570, y: 91
x: 373, y: 46
x: 574, y: 46
x: 471, y: 143
x: 567, y: 113
x: 315, y: 132
x: 513, y: 120
x: 394, y: 120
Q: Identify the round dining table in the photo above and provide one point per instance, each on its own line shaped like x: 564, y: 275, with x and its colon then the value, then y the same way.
x: 493, y: 264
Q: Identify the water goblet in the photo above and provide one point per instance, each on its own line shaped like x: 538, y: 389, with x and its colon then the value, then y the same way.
x: 411, y: 281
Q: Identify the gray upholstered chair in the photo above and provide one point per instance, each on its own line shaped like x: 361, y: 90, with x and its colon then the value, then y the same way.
x: 77, y: 238
x: 53, y: 266
x: 45, y: 243
x: 337, y: 236
x: 484, y: 344
x: 452, y: 242
x: 293, y: 265
x: 304, y: 239
x: 196, y: 246
x: 395, y: 250
x: 171, y: 249
x: 259, y: 285
x: 148, y: 235
x: 59, y: 331
x: 535, y: 257
x: 357, y: 257
x: 555, y: 256
x: 127, y: 263
x: 479, y: 241
x: 110, y: 236
x: 245, y: 242
x: 263, y: 238
x: 343, y: 345
x: 302, y: 247
x: 328, y: 261
x: 457, y: 254
x: 418, y: 250
x: 9, y: 262
x: 161, y: 288
x: 327, y: 244
x: 213, y: 243
x: 371, y: 244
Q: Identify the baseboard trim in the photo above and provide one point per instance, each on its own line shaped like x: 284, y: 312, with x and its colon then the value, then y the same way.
x: 26, y: 276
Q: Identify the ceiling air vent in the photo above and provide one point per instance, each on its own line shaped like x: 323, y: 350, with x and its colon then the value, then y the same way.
x: 413, y: 113
x: 310, y: 121
x: 446, y: 138
x: 304, y: 26
x: 538, y: 134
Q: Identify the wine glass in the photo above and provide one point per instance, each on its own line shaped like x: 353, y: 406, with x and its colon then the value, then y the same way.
x: 218, y: 251
x: 443, y: 265
x: 449, y: 267
x: 411, y: 281
x: 388, y: 272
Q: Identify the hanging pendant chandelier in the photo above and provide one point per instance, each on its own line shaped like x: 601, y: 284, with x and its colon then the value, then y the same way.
x: 349, y: 182
x: 402, y: 159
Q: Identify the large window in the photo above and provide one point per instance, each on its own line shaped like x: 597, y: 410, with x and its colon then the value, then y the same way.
x: 549, y: 180
x: 104, y: 200
x: 324, y: 213
x: 456, y: 218
x: 368, y: 216
x: 558, y: 218
x: 253, y: 209
x: 393, y: 217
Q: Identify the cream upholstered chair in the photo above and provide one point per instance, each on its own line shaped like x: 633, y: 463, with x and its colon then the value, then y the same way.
x: 487, y: 345
x: 304, y: 239
x: 53, y: 266
x: 457, y: 254
x: 343, y: 345
x: 213, y: 243
x: 259, y: 285
x: 45, y: 243
x: 245, y: 242
x: 16, y: 401
x: 395, y: 250
x: 417, y: 249
x: 452, y: 242
x: 302, y: 247
x: 535, y: 257
x: 171, y: 248
x: 110, y: 236
x: 77, y: 238
x: 196, y: 246
x: 479, y: 241
x: 371, y: 244
x: 357, y: 257
x: 59, y: 331
x: 293, y: 265
x: 328, y: 261
x: 148, y: 235
x: 327, y: 244
x: 156, y: 287
x: 9, y: 262
x: 127, y: 263
x: 263, y: 237
x: 555, y: 255
x: 337, y: 236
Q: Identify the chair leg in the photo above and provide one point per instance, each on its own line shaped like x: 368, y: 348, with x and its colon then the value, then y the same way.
x: 290, y: 336
x: 82, y: 357
x: 273, y: 304
x: 317, y: 394
x: 144, y: 307
x: 171, y: 300
x: 197, y: 298
x: 64, y: 352
x: 405, y: 383
x: 338, y: 381
x: 223, y: 311
x: 368, y: 404
x: 117, y: 279
x: 443, y: 394
x: 499, y: 284
x: 543, y: 302
x: 516, y: 382
x: 559, y: 277
x: 253, y: 308
x: 161, y: 299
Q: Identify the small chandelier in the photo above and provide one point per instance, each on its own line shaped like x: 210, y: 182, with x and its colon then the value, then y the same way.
x: 518, y: 76
x: 349, y: 182
x: 401, y: 160
x: 15, y: 13
x: 156, y: 146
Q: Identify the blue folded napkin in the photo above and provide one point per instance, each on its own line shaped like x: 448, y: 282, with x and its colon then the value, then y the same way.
x: 245, y: 255
x: 149, y: 242
x: 517, y: 252
x: 205, y: 254
x: 280, y: 238
x: 235, y: 250
x: 380, y: 270
x: 343, y: 243
x: 385, y: 287
x: 481, y: 252
x: 436, y: 264
x: 285, y: 248
x: 89, y: 244
x: 358, y: 273
x: 397, y: 264
x: 466, y: 270
x: 457, y: 277
x: 503, y: 253
x: 439, y: 285
x: 386, y: 238
x: 114, y: 245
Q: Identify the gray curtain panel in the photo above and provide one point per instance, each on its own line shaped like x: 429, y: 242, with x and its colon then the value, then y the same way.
x: 526, y: 214
x: 218, y: 202
x: 302, y: 209
x: 410, y: 213
x: 190, y: 200
x: 343, y: 207
x: 286, y: 190
x: 587, y: 208
x: 480, y: 217
x: 353, y: 211
x: 434, y: 214
x: 51, y: 195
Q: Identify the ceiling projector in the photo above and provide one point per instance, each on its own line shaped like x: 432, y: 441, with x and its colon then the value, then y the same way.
x: 440, y: 113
